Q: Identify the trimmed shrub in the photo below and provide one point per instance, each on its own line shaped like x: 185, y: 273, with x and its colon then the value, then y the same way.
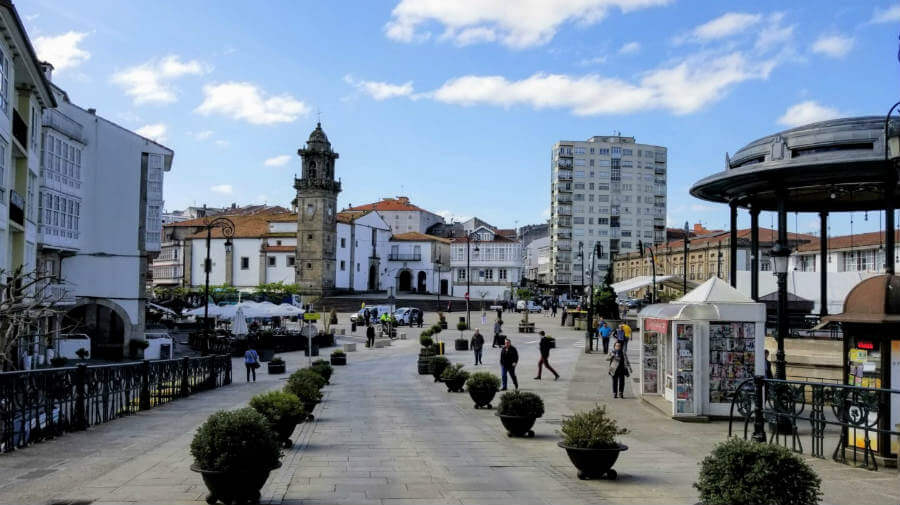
x: 239, y: 440
x: 483, y: 381
x: 461, y: 326
x: 435, y: 329
x: 438, y: 364
x: 425, y: 340
x: 308, y: 376
x: 454, y: 372
x: 277, y: 406
x: 592, y: 429
x: 277, y: 360
x: 742, y: 472
x: 323, y: 368
x: 304, y: 387
x: 521, y: 404
x: 337, y: 352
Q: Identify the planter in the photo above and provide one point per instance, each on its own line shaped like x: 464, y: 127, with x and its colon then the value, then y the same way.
x: 518, y: 426
x: 234, y: 486
x: 455, y: 385
x: 461, y: 344
x: 425, y: 365
x: 443, y: 325
x: 594, y: 463
x: 315, y: 350
x: 308, y: 407
x: 285, y: 429
x: 481, y: 397
x: 339, y: 360
x: 276, y: 368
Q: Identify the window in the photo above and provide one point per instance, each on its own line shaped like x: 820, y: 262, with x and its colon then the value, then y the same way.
x: 343, y: 243
x: 626, y: 152
x: 277, y: 242
x: 489, y: 274
x: 592, y: 150
x: 578, y: 220
x: 309, y: 236
x: 579, y: 174
x: 461, y: 274
x: 271, y: 260
x: 579, y: 150
x: 617, y: 152
x: 309, y: 266
x: 4, y: 83
x: 603, y: 150
x: 579, y: 162
x: 343, y: 265
x: 357, y: 267
x: 591, y: 163
x: 245, y: 263
x: 579, y: 185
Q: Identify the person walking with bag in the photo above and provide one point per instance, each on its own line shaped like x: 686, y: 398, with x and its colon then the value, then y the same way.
x: 544, y: 346
x: 509, y: 358
x: 477, y: 343
x: 619, y: 368
x: 498, y: 329
x: 251, y: 362
x: 564, y: 314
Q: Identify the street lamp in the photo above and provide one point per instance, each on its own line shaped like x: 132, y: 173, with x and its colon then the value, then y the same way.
x: 780, y: 254
x: 227, y: 226
x: 641, y: 247
x: 589, y: 333
x: 470, y: 237
x: 684, y: 271
x: 581, y: 260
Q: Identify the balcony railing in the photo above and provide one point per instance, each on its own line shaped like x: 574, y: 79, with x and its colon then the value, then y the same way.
x: 16, y: 208
x: 58, y: 294
x: 58, y: 121
x: 404, y: 257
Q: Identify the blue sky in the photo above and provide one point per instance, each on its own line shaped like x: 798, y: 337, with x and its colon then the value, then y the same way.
x: 457, y: 103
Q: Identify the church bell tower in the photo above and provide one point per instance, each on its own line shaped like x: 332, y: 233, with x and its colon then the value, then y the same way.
x: 316, y: 222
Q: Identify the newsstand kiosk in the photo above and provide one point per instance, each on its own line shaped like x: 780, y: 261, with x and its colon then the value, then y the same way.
x: 696, y: 350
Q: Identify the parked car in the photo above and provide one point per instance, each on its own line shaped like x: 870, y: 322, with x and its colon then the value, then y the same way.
x: 375, y: 311
x: 406, y: 315
x: 522, y: 305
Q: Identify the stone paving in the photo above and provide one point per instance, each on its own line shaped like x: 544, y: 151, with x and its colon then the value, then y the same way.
x: 385, y: 435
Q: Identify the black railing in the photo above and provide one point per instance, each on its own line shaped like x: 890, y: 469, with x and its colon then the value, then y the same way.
x: 855, y: 419
x: 404, y: 257
x: 40, y: 404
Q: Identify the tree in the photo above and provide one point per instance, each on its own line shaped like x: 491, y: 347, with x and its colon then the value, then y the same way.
x: 276, y: 291
x: 605, y: 299
x: 525, y: 294
x: 24, y: 304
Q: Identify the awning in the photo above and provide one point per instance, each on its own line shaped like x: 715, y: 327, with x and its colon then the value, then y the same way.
x: 638, y: 283
x: 161, y: 308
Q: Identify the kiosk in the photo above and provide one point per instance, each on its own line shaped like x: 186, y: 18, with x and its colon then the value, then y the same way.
x: 696, y: 350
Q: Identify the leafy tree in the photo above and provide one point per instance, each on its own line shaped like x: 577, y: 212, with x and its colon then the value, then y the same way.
x: 605, y: 299
x: 276, y: 291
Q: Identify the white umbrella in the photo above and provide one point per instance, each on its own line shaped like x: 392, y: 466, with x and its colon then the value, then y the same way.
x: 239, y: 323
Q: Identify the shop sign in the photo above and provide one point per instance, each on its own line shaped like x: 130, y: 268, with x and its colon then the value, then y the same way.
x: 858, y: 355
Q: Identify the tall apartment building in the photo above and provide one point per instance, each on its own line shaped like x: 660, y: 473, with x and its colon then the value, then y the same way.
x: 606, y: 189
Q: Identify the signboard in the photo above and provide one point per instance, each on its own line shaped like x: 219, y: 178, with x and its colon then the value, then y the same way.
x: 311, y: 316
x: 657, y: 325
x: 858, y: 355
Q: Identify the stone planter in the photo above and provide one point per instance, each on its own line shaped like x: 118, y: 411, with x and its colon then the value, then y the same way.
x: 234, y: 486
x: 276, y: 368
x: 517, y: 426
x: 461, y: 344
x: 455, y: 385
x: 594, y: 463
x: 425, y: 365
x: 309, y: 407
x: 482, y: 397
x: 285, y: 429
x: 340, y: 360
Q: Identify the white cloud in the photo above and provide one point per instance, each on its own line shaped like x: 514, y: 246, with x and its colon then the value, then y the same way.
x: 888, y: 15
x: 247, y: 101
x: 630, y: 48
x: 682, y: 88
x: 774, y: 33
x: 224, y: 189
x: 596, y: 60
x: 726, y: 25
x: 834, y: 46
x: 62, y: 50
x: 151, y: 82
x: 201, y: 135
x: 529, y: 23
x: 278, y: 161
x: 807, y: 112
x: 155, y: 132
x: 380, y: 90
x: 222, y: 143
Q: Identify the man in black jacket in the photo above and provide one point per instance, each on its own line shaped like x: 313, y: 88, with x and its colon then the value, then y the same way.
x: 544, y: 345
x: 370, y: 336
x: 477, y: 343
x: 509, y: 358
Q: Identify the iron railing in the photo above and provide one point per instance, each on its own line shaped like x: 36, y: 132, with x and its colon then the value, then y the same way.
x: 39, y: 404
x: 856, y: 420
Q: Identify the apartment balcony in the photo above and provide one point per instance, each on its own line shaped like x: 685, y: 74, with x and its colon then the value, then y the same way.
x: 20, y: 135
x: 404, y: 257
x: 564, y: 245
x: 564, y: 199
x: 56, y: 237
x: 16, y: 208
x: 564, y: 175
x: 56, y: 120
x: 563, y: 234
x: 58, y: 294
x: 659, y: 171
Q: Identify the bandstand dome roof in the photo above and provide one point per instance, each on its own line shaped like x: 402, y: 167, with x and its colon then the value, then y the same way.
x: 836, y: 165
x: 874, y: 300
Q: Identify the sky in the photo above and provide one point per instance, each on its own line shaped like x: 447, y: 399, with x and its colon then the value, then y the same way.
x: 457, y: 104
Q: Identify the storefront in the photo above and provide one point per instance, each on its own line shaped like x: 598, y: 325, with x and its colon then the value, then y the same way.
x: 871, y: 324
x: 696, y: 350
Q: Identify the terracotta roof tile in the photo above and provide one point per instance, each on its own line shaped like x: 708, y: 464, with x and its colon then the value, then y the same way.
x: 256, y: 225
x: 845, y: 241
x: 348, y: 216
x: 390, y: 204
x: 418, y: 237
x: 766, y: 235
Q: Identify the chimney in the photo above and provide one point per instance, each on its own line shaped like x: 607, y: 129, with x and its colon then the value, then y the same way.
x: 403, y: 199
x: 47, y: 68
x: 92, y: 111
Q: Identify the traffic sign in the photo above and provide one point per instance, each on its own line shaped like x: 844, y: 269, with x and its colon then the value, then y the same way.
x: 311, y: 316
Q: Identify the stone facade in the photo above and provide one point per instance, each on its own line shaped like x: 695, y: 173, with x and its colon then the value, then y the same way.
x: 316, y: 220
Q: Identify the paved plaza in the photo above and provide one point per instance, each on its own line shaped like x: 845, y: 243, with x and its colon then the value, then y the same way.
x: 385, y: 435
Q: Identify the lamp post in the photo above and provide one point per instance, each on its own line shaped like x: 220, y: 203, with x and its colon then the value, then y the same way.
x: 470, y: 237
x: 589, y: 334
x: 641, y: 247
x: 684, y: 271
x: 581, y: 259
x: 227, y: 227
x: 780, y: 254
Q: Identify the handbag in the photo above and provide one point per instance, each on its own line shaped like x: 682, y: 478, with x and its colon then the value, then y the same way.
x: 254, y: 365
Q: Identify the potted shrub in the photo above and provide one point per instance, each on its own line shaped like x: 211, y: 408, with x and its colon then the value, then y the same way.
x: 58, y: 361
x: 305, y: 386
x: 435, y: 328
x: 442, y: 321
x: 589, y: 439
x: 741, y: 472
x: 518, y: 410
x: 311, y: 375
x: 425, y: 353
x: 438, y: 364
x: 482, y: 387
x: 454, y: 377
x: 461, y: 326
x: 323, y: 368
x: 338, y: 358
x: 276, y: 365
x: 282, y: 410
x: 83, y: 353
x: 234, y: 451
x: 461, y: 344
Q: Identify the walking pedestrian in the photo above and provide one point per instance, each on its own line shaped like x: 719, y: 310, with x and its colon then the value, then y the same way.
x: 544, y: 346
x: 619, y: 368
x: 420, y: 318
x: 627, y: 331
x: 251, y: 362
x: 605, y: 331
x: 370, y: 335
x: 500, y: 312
x: 449, y: 307
x: 564, y: 314
x: 498, y: 329
x: 769, y: 374
x: 477, y: 343
x: 509, y: 358
x: 553, y: 306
